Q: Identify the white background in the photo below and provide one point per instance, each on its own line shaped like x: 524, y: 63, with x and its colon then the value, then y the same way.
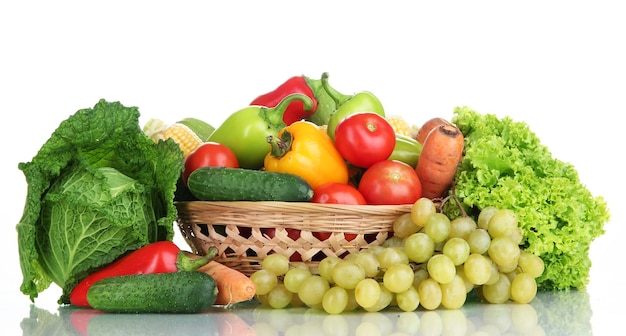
x: 557, y: 65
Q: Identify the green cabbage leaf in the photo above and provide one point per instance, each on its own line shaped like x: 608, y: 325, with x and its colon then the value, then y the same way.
x: 98, y: 188
x: 505, y: 165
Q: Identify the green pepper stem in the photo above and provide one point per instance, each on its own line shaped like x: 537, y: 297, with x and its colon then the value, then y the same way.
x: 274, y: 115
x: 337, y: 96
x: 186, y: 263
x: 280, y: 146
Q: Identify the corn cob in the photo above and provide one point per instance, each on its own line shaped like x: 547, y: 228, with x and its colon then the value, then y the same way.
x: 183, y: 136
x: 400, y: 126
x: 186, y: 139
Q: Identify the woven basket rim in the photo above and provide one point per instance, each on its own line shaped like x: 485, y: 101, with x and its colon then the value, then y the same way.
x: 294, y: 206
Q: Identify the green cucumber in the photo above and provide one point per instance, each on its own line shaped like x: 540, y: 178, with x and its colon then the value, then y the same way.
x: 240, y: 184
x: 184, y: 292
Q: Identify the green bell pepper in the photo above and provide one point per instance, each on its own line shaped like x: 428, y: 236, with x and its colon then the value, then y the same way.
x: 245, y: 132
x: 407, y: 150
x: 346, y: 105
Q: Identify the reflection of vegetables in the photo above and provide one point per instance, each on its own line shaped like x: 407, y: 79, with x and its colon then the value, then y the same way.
x: 506, y: 166
x: 159, y: 257
x: 438, y: 161
x: 99, y: 187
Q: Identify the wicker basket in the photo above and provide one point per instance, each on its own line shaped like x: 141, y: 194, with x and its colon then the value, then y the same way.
x: 246, y: 232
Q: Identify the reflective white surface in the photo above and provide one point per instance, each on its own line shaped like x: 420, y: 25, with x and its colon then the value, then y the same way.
x: 550, y: 314
x: 556, y: 65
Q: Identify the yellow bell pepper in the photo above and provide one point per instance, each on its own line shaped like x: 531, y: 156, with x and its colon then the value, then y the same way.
x: 304, y: 149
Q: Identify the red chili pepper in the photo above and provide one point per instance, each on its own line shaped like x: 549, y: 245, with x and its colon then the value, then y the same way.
x: 157, y: 257
x: 295, y: 111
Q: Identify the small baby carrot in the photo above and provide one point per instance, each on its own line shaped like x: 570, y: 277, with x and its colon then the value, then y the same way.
x: 233, y: 286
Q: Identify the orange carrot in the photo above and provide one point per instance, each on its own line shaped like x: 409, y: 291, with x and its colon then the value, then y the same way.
x: 428, y: 126
x: 441, y: 153
x: 233, y: 286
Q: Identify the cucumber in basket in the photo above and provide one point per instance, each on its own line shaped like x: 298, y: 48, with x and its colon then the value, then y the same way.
x: 240, y: 184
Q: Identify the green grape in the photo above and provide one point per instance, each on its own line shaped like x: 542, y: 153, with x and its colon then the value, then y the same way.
x: 517, y: 235
x: 375, y: 250
x: 335, y: 300
x: 523, y: 288
x: 457, y: 249
x: 499, y: 292
x: 312, y: 290
x: 347, y: 274
x: 279, y: 297
x: 384, y: 299
x: 419, y: 247
x: 391, y: 256
x: 352, y: 304
x: 295, y: 301
x: 441, y: 268
x: 531, y: 264
x: 398, y: 278
x: 495, y: 272
x: 477, y: 269
x: 294, y: 277
x: 325, y: 267
x: 504, y: 252
x: 419, y: 275
x: 479, y: 241
x: 429, y: 292
x: 403, y: 226
x: 367, y: 292
x: 461, y: 227
x: 421, y: 210
x: 460, y: 271
x: 408, y: 300
x: 484, y: 216
x: 262, y: 299
x: 453, y: 293
x: 368, y: 262
x: 394, y: 241
x: 276, y: 263
x: 502, y: 223
x: 264, y: 281
x: 437, y: 227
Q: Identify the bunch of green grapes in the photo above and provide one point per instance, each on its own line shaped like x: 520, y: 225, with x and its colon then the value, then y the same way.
x: 431, y: 261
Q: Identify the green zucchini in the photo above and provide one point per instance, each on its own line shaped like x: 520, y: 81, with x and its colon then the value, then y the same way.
x: 183, y: 292
x: 240, y: 184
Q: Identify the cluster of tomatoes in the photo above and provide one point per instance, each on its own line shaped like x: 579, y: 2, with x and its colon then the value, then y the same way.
x: 365, y: 140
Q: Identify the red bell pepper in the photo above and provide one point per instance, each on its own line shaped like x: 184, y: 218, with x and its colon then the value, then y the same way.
x: 157, y: 257
x: 323, y: 104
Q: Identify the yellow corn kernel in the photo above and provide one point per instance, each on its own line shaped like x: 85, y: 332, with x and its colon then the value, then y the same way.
x: 400, y: 126
x: 186, y: 139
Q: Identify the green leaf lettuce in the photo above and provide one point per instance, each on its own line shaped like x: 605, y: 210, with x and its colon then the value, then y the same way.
x: 505, y: 165
x: 98, y: 188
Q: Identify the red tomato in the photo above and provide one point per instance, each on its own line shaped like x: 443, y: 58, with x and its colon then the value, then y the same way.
x: 209, y: 154
x: 337, y: 193
x: 390, y: 182
x: 365, y: 138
